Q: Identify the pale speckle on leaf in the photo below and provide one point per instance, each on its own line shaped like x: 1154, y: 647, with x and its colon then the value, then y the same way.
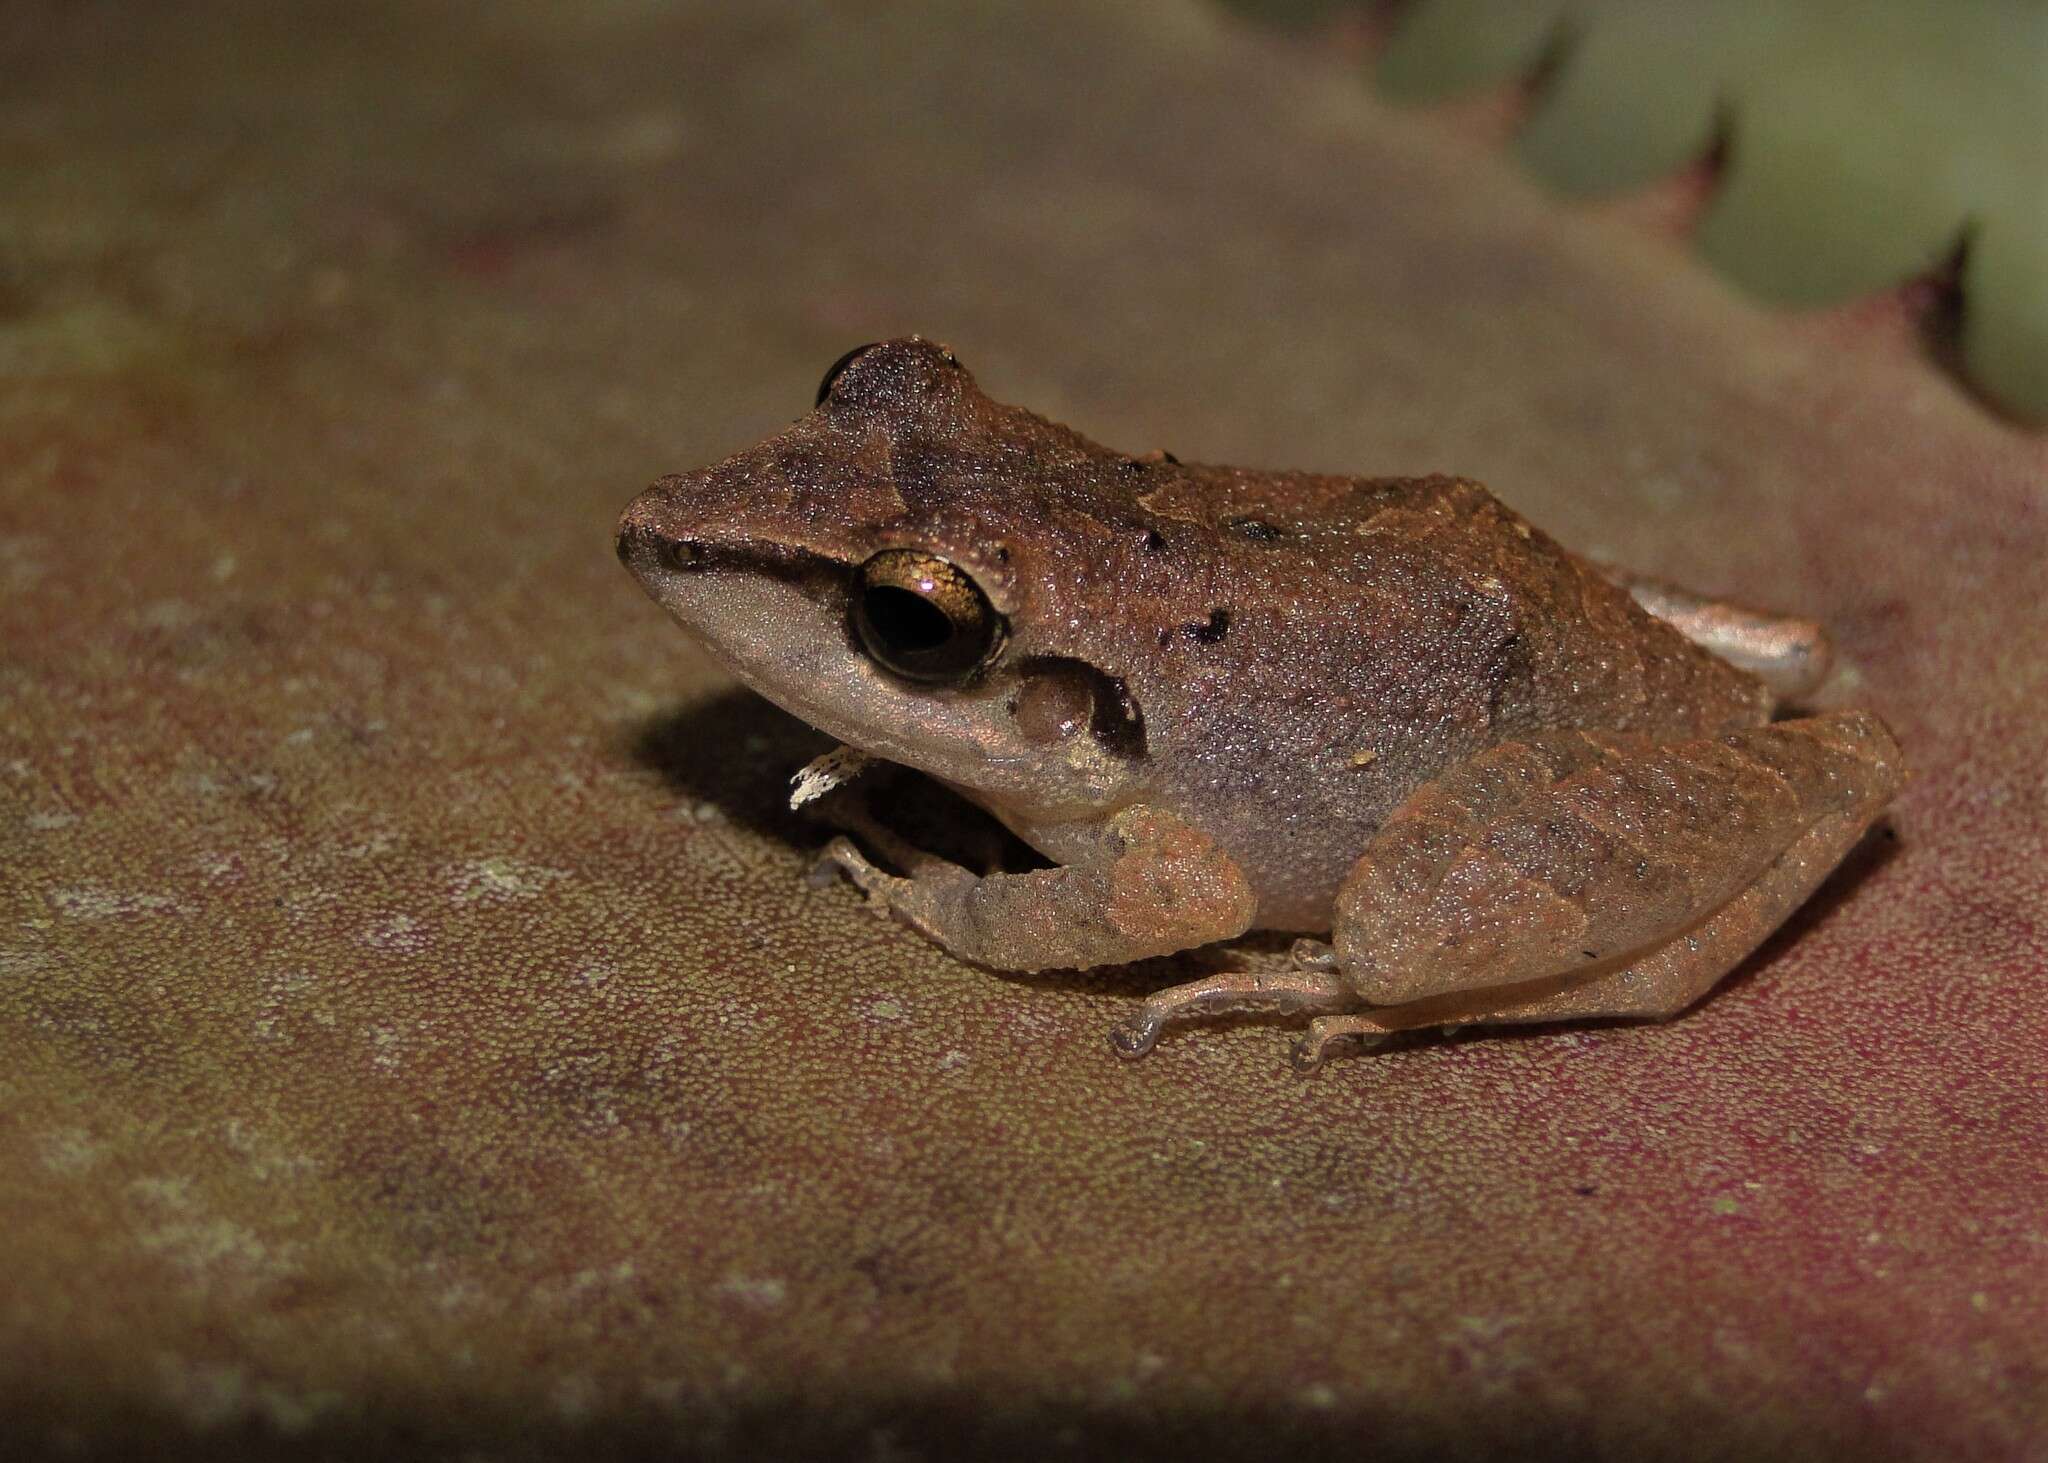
x: 396, y: 932
x: 71, y: 1150
x: 502, y: 878
x: 762, y: 1293
x: 99, y: 901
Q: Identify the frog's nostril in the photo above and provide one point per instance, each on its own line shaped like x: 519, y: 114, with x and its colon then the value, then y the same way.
x: 642, y: 547
x: 682, y: 555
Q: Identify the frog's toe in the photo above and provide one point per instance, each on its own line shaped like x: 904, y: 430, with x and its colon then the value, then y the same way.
x: 1316, y: 955
x: 834, y: 859
x: 1135, y: 1035
x: 842, y: 856
x: 1306, y: 1056
x: 1309, y: 1052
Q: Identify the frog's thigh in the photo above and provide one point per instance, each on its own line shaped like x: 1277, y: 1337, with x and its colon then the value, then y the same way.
x: 1585, y: 875
x: 1156, y: 886
x: 1671, y: 976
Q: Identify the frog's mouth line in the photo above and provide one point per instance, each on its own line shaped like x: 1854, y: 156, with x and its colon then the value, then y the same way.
x: 778, y: 622
x: 650, y: 557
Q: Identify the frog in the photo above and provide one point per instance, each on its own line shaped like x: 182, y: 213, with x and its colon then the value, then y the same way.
x: 1479, y: 779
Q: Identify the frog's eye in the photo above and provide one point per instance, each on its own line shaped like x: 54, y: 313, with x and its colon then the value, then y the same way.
x: 922, y: 617
x: 832, y: 371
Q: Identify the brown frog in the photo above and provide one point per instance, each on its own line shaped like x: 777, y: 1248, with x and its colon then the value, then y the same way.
x: 1513, y: 785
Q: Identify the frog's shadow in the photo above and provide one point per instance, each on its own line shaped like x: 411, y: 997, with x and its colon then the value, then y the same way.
x: 737, y: 752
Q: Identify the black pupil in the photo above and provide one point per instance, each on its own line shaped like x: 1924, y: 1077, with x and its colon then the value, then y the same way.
x: 906, y: 622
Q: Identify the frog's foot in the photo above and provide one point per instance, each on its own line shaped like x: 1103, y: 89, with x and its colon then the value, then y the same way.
x: 1238, y: 990
x: 911, y: 900
x: 850, y: 812
x: 980, y: 845
x: 926, y: 900
x: 1309, y: 1051
x: 1314, y: 955
x: 1155, y: 886
x: 843, y: 856
x: 926, y: 881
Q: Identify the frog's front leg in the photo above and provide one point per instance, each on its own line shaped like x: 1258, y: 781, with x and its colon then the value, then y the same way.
x: 1155, y: 885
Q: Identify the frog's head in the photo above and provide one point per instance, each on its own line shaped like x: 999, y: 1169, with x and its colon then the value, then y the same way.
x: 925, y: 574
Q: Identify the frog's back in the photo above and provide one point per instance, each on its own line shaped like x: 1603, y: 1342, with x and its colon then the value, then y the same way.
x: 1429, y: 600
x: 1381, y: 630
x: 1463, y: 591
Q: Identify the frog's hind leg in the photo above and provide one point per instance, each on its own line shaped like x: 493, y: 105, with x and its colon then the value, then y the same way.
x: 1789, y: 655
x: 1586, y: 876
x: 1650, y: 986
x: 1284, y: 992
x: 1665, y: 980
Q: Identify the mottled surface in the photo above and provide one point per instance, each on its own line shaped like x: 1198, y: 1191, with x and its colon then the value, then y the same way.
x: 415, y: 1025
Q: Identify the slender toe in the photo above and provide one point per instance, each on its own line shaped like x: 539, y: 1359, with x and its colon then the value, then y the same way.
x: 1306, y: 1056
x: 1134, y: 1036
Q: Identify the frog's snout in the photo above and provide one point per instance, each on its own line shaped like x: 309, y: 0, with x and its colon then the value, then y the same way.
x: 646, y: 537
x: 637, y: 542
